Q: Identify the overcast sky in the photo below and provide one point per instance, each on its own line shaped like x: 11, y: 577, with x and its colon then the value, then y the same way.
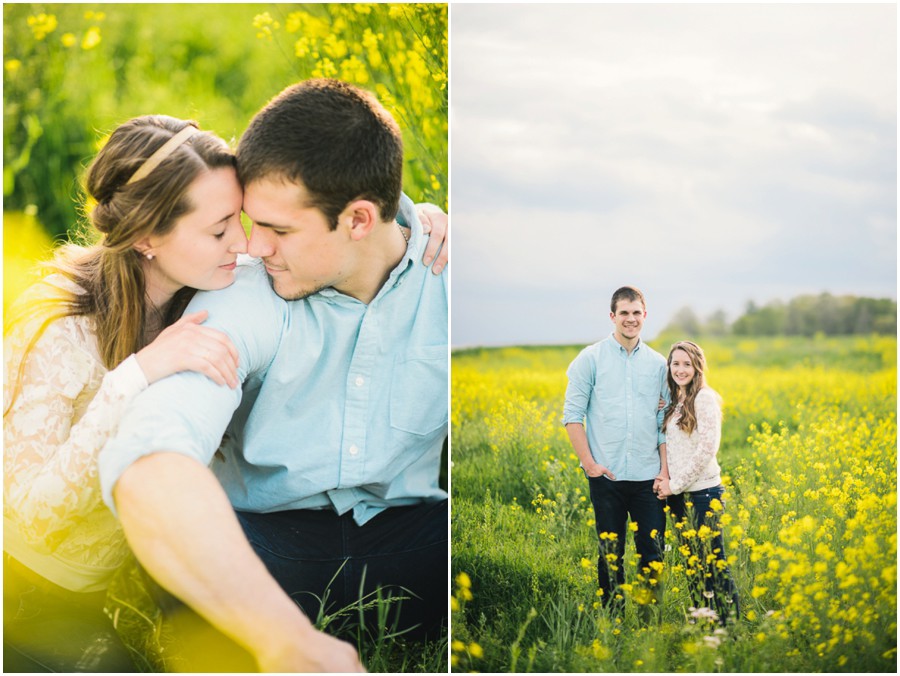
x: 708, y: 154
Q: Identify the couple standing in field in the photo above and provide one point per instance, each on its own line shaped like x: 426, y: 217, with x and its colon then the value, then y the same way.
x: 646, y: 430
x: 273, y: 453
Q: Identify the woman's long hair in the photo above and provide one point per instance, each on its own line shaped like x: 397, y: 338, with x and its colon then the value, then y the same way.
x: 110, y: 272
x: 688, y: 420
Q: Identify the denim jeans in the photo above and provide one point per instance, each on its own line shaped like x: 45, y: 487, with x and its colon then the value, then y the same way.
x: 718, y: 590
x: 614, y: 502
x: 327, y: 562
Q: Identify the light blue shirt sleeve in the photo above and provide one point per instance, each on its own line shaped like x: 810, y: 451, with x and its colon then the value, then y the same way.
x: 578, y: 392
x: 187, y: 412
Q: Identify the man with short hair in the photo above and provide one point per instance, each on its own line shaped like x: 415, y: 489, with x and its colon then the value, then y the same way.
x: 613, y: 420
x: 330, y: 464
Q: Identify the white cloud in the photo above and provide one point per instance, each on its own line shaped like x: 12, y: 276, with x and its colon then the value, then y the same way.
x: 716, y: 153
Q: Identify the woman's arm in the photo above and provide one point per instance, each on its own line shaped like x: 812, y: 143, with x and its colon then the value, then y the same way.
x: 49, y: 456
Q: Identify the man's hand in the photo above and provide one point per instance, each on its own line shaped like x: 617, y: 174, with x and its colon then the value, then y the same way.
x: 597, y: 470
x: 313, y: 652
x: 435, y: 222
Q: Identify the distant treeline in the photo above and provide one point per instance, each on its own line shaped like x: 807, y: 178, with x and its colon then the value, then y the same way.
x: 802, y: 316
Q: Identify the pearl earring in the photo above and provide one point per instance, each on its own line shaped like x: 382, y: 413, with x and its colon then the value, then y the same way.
x: 149, y: 256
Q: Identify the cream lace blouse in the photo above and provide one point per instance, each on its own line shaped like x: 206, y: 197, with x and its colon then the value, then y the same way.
x: 66, y: 407
x: 692, y: 457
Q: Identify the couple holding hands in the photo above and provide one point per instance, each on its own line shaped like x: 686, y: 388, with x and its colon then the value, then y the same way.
x: 646, y: 430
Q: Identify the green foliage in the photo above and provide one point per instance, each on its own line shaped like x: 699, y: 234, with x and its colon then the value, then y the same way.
x: 73, y: 72
x: 399, y: 51
x: 822, y: 315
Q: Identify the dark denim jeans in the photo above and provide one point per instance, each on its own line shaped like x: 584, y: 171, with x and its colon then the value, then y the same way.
x: 614, y: 502
x: 718, y: 590
x: 326, y: 562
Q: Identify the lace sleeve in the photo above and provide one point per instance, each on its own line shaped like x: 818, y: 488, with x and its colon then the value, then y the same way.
x: 704, y: 441
x: 65, y: 408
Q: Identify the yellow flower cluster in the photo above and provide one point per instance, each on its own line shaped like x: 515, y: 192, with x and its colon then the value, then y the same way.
x: 42, y: 25
x: 462, y: 652
x: 397, y: 51
x: 828, y: 565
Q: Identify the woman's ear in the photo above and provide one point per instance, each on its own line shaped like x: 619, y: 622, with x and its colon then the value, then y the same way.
x: 144, y: 248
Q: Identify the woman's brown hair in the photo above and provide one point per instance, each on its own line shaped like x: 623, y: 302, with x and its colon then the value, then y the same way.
x: 110, y: 272
x: 688, y: 420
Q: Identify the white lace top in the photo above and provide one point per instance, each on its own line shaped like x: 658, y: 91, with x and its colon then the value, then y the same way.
x: 67, y: 406
x: 692, y: 457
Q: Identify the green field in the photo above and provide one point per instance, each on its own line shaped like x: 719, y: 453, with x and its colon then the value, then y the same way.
x: 809, y: 458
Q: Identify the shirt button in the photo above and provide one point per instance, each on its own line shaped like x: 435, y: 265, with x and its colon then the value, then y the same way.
x: 359, y: 381
x: 354, y: 450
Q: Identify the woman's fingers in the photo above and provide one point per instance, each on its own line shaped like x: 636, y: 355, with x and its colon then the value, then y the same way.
x: 219, y: 357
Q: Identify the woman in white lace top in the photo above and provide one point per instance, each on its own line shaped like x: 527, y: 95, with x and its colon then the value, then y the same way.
x: 690, y: 480
x: 81, y: 344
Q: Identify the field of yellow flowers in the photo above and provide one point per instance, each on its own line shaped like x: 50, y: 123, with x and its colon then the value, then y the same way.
x: 809, y: 460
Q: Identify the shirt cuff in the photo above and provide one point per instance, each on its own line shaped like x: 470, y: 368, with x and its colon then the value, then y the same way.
x: 130, y: 375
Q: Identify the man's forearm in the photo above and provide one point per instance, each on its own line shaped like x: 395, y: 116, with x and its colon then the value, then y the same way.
x: 182, y: 528
x: 578, y: 437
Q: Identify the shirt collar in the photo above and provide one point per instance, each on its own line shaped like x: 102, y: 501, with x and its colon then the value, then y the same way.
x: 616, y: 343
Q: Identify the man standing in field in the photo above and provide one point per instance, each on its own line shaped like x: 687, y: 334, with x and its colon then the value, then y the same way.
x: 326, y: 483
x: 613, y: 420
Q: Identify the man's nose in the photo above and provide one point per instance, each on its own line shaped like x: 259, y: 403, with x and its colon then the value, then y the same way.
x: 260, y: 244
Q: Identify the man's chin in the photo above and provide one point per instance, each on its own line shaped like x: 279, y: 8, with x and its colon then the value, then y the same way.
x: 292, y: 294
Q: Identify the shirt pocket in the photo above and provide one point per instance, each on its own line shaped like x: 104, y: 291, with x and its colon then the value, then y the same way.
x: 419, y: 390
x: 648, y: 385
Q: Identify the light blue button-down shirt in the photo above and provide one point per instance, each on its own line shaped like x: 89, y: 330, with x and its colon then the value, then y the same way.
x: 616, y: 395
x: 343, y: 404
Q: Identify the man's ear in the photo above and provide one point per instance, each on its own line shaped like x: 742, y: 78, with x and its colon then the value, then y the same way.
x: 361, y: 217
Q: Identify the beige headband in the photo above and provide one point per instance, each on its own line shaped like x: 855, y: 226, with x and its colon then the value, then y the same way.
x: 167, y: 149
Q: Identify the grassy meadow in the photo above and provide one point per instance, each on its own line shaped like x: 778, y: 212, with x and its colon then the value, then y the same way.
x: 808, y: 456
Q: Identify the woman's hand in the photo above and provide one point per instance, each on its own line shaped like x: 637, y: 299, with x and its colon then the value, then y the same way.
x: 188, y: 346
x: 661, y: 488
x: 435, y: 222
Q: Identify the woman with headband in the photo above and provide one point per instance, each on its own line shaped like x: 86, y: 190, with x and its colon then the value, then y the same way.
x: 83, y: 342
x: 691, y: 481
